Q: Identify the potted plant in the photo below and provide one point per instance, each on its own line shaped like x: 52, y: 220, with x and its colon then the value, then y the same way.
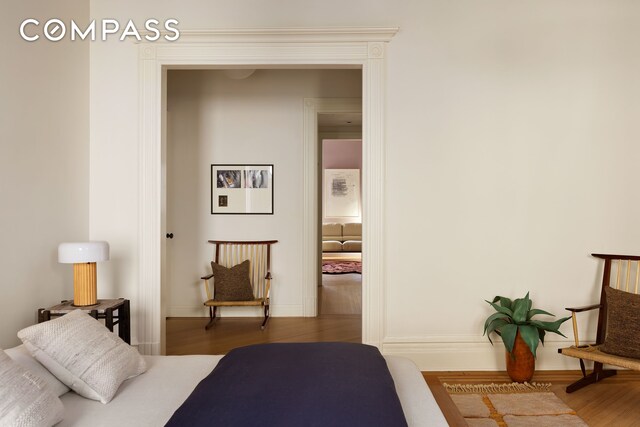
x: 513, y: 321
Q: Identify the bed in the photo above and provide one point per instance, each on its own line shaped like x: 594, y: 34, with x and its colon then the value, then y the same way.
x: 274, y: 384
x: 150, y: 399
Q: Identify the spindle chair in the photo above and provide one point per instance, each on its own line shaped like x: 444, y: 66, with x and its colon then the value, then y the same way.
x: 621, y: 272
x: 230, y: 253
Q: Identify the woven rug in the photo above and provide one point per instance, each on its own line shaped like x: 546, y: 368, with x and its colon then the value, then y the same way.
x: 341, y: 267
x: 512, y: 405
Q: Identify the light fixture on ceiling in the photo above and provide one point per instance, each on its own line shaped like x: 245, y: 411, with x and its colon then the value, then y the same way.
x: 239, y: 73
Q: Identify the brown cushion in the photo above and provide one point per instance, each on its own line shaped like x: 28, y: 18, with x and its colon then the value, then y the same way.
x: 232, y: 284
x: 623, y: 324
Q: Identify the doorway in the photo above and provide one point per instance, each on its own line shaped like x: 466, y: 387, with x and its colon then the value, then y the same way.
x: 340, y: 284
x: 214, y: 118
x: 334, y: 48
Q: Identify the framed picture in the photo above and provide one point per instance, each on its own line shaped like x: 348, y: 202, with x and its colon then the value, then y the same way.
x: 242, y: 189
x: 341, y: 192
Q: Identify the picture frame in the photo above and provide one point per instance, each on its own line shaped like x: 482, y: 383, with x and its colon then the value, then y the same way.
x: 242, y: 189
x: 341, y: 193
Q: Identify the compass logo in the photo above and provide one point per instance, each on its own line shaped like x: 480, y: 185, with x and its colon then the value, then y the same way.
x: 55, y: 30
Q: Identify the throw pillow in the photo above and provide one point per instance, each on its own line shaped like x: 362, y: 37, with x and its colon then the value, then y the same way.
x: 232, y: 284
x: 25, y: 398
x: 82, y: 353
x: 623, y: 324
x: 21, y: 355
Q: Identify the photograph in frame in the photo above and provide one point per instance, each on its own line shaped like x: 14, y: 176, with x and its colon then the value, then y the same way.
x: 242, y: 189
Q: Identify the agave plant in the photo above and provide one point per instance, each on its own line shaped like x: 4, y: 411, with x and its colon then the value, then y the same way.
x: 516, y: 316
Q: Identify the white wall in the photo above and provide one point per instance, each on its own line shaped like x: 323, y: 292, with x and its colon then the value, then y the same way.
x: 512, y: 141
x: 44, y: 153
x: 258, y: 120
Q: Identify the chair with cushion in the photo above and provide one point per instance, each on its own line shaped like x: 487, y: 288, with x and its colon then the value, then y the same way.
x: 618, y: 334
x: 241, y: 276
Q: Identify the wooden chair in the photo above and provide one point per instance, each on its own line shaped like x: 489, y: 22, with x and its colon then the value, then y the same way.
x: 624, y: 280
x: 230, y: 253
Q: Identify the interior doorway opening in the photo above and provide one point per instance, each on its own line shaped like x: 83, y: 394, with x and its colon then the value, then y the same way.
x: 213, y: 118
x: 349, y: 48
x: 340, y: 282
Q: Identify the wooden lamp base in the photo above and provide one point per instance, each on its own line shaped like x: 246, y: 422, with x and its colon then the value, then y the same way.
x: 85, y: 289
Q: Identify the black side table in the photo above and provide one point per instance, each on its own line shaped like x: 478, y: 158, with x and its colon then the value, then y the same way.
x: 102, y: 310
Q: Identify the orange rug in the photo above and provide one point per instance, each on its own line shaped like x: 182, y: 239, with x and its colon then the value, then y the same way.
x: 512, y: 405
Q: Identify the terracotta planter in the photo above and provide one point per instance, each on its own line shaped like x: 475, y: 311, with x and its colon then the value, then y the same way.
x: 520, y: 363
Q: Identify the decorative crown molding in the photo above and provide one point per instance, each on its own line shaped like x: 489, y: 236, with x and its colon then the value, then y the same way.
x: 287, y: 35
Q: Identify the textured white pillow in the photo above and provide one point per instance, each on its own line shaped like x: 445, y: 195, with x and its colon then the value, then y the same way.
x: 22, y: 356
x: 25, y: 398
x: 82, y: 353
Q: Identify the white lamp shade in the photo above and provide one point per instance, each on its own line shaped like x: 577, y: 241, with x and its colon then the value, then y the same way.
x: 79, y: 252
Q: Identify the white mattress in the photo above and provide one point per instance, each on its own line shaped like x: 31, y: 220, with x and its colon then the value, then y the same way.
x: 151, y: 398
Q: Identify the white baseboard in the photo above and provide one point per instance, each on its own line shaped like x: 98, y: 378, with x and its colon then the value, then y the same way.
x: 200, y: 311
x: 438, y: 354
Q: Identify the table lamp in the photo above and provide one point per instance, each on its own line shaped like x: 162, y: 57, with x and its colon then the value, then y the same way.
x: 83, y: 256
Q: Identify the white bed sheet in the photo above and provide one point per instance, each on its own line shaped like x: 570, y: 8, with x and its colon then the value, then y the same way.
x: 151, y: 398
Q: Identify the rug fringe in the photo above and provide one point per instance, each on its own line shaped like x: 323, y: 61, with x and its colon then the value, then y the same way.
x: 497, y: 388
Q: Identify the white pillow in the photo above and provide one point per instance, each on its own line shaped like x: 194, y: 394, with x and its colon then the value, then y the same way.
x: 82, y: 353
x: 23, y: 358
x: 25, y: 398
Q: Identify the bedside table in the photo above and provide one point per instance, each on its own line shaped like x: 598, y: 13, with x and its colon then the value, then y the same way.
x: 102, y: 310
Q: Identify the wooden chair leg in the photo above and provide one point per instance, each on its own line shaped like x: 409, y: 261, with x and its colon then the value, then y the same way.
x: 266, y: 317
x: 212, y: 315
x: 596, y: 375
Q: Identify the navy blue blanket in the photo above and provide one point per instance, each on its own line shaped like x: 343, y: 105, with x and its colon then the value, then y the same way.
x: 298, y: 384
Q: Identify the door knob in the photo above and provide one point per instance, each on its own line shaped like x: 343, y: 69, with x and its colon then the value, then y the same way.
x: 169, y: 235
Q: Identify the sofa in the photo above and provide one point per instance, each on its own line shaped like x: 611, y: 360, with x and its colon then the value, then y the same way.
x: 338, y: 237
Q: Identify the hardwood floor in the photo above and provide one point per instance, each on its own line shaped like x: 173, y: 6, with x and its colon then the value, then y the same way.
x: 612, y: 402
x: 186, y: 335
x: 340, y: 294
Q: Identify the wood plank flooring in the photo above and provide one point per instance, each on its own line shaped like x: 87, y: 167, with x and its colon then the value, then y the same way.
x: 186, y: 335
x: 340, y: 294
x: 612, y: 402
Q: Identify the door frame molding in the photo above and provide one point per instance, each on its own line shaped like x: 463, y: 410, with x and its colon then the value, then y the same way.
x: 362, y: 48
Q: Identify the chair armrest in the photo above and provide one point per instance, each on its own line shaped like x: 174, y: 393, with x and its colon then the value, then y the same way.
x: 585, y: 308
x: 207, y: 288
x: 575, y: 310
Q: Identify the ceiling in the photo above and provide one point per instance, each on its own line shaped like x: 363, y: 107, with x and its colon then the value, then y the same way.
x: 340, y: 119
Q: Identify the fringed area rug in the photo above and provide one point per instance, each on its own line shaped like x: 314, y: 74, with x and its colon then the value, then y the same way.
x: 341, y: 267
x: 512, y: 405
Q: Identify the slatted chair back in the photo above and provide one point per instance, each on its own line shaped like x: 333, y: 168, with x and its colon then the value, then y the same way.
x: 229, y: 253
x: 620, y: 272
